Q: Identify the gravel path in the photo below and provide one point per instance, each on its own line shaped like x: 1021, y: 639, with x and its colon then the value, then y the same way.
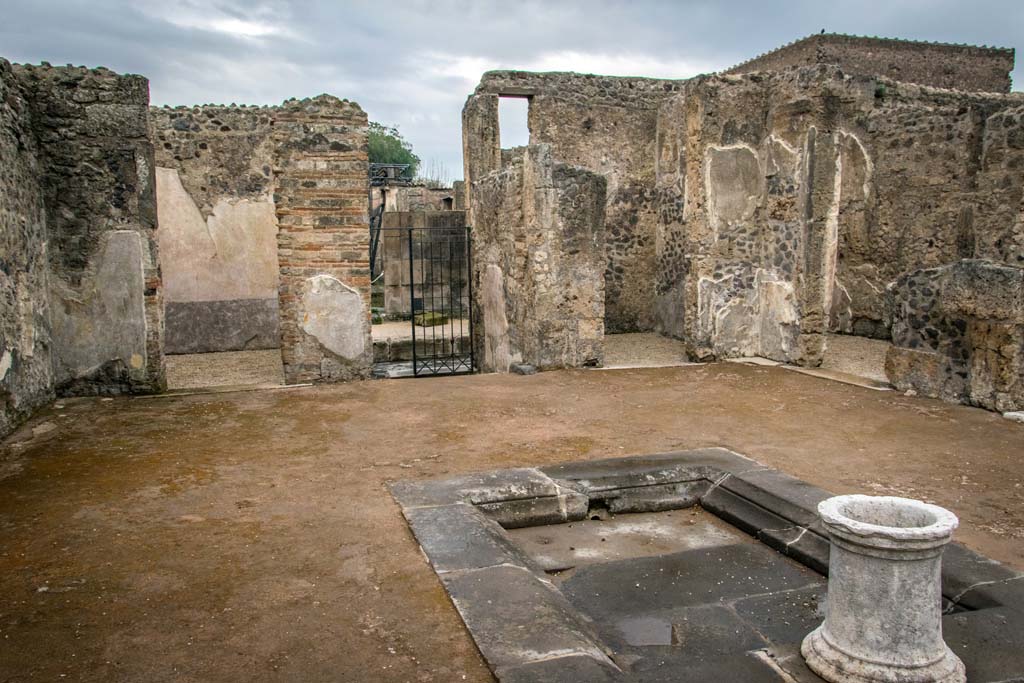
x: 858, y: 356
x: 230, y: 368
x: 642, y: 350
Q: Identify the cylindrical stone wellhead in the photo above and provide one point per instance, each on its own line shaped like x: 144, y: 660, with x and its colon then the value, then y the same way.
x: 883, y: 618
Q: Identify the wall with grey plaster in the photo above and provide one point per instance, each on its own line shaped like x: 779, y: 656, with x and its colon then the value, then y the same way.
x: 95, y: 165
x: 220, y: 271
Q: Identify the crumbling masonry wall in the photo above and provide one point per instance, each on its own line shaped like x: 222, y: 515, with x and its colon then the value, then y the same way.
x: 538, y: 263
x: 788, y: 203
x: 95, y: 164
x: 958, y: 333
x: 265, y: 232
x: 26, y: 370
x: 603, y: 124
x: 792, y: 200
x: 414, y: 198
x: 941, y: 65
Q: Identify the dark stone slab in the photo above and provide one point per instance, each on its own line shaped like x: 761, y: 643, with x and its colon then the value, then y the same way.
x: 515, y: 514
x: 650, y: 470
x: 743, y: 668
x: 811, y: 550
x: 740, y: 512
x: 779, y: 539
x: 654, y: 498
x: 212, y: 326
x: 572, y: 669
x: 803, y: 545
x: 477, y: 488
x: 990, y: 642
x: 1008, y: 593
x: 698, y: 633
x: 963, y: 569
x: 522, y: 369
x: 517, y: 619
x: 786, y: 496
x: 651, y: 585
x: 460, y: 537
x: 785, y: 616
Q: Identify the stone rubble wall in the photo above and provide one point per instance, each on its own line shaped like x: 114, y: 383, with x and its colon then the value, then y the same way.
x: 218, y: 227
x: 26, y: 337
x: 95, y: 166
x: 790, y: 201
x: 606, y: 125
x: 270, y: 199
x: 941, y: 65
x: 265, y: 231
x: 538, y: 263
x: 958, y: 334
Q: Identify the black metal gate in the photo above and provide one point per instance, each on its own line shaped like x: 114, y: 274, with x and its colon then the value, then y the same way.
x: 436, y: 291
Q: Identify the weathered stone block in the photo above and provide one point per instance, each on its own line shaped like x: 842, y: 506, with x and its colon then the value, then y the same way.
x: 986, y: 290
x: 539, y: 305
x: 926, y: 372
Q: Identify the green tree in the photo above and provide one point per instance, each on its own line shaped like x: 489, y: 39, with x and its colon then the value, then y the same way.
x: 387, y: 146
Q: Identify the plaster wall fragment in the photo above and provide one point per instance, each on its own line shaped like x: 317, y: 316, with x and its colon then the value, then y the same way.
x: 333, y: 313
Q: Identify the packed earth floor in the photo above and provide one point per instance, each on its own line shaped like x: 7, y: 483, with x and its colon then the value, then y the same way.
x: 251, y: 536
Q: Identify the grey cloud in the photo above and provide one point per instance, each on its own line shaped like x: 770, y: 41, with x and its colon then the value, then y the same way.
x: 378, y: 54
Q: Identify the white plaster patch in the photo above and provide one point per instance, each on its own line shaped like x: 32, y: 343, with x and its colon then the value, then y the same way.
x: 759, y: 321
x: 232, y: 254
x: 779, y: 321
x: 733, y: 182
x: 497, y: 355
x: 334, y: 314
x: 105, y: 318
x: 831, y: 246
x: 5, y: 364
x: 869, y: 166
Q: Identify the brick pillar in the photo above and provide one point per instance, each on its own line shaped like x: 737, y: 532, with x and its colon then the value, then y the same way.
x: 323, y: 239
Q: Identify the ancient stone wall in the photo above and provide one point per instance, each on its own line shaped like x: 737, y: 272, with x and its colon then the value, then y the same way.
x: 264, y: 221
x: 735, y: 219
x: 97, y: 175
x: 941, y: 65
x: 538, y: 263
x: 958, y: 334
x: 321, y: 176
x: 26, y: 371
x: 218, y: 227
x: 791, y: 200
x: 606, y: 125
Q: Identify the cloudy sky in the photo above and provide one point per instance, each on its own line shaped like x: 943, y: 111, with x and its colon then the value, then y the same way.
x: 412, y: 63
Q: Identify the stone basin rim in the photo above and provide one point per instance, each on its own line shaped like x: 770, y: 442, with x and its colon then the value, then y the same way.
x: 846, y: 514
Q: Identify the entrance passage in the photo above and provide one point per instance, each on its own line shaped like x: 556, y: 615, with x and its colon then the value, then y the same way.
x: 423, y: 325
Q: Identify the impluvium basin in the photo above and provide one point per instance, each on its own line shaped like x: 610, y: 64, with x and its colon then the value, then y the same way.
x: 884, y: 606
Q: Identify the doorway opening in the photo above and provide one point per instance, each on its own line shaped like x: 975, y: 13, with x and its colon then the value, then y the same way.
x: 514, y: 121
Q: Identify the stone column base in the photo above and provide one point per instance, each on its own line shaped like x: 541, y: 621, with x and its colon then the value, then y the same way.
x: 836, y: 666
